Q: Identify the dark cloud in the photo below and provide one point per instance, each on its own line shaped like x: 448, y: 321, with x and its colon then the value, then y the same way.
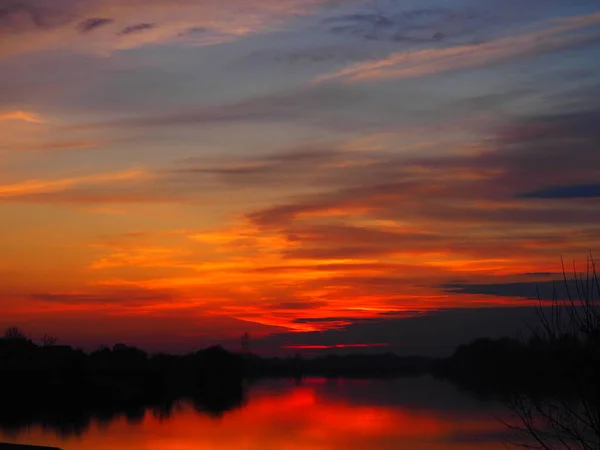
x: 422, y: 25
x: 297, y: 305
x: 524, y: 155
x: 562, y: 146
x: 331, y: 241
x: 195, y: 30
x: 542, y: 290
x: 125, y: 297
x: 436, y: 333
x: 91, y: 24
x: 25, y: 15
x: 402, y: 313
x: 279, y: 168
x: 560, y: 192
x: 332, y: 319
x: 137, y: 28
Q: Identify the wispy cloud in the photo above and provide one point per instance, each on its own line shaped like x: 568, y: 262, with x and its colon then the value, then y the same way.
x: 562, y: 192
x: 558, y: 35
x: 402, y: 25
x: 137, y: 28
x: 22, y: 116
x: 30, y: 25
x: 39, y: 186
x: 56, y: 145
x: 91, y: 24
x: 544, y: 290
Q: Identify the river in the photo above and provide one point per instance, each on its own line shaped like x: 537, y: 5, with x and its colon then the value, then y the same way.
x: 312, y: 414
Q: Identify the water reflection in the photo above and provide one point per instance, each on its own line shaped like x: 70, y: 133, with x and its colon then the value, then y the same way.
x: 418, y: 413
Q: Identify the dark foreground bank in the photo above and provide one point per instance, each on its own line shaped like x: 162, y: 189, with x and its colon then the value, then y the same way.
x: 24, y: 447
x: 65, y: 388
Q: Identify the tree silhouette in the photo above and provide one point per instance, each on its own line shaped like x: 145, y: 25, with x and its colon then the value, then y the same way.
x: 48, y: 340
x: 560, y: 406
x: 14, y: 333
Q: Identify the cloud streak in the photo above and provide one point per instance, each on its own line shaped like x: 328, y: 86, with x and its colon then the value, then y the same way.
x: 21, y: 116
x: 27, y: 188
x: 137, y: 28
x: 32, y: 25
x: 91, y: 24
x: 559, y: 35
x: 562, y: 192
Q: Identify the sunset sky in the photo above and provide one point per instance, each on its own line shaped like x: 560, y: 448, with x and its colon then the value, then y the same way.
x: 319, y: 173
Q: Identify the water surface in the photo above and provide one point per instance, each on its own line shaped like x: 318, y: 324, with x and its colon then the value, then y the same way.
x: 314, y: 414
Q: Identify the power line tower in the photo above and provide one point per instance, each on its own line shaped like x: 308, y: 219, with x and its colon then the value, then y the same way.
x: 245, y: 343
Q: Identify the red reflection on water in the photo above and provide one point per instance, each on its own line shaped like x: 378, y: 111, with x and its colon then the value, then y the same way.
x: 297, y: 419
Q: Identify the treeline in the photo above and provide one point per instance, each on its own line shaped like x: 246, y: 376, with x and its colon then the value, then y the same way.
x: 538, y: 366
x: 63, y: 387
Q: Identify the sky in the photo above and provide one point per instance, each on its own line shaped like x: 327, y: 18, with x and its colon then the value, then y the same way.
x: 322, y: 174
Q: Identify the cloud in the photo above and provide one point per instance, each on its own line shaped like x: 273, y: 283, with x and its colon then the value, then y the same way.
x: 141, y: 256
x: 91, y: 24
x: 35, y: 25
x: 479, y: 187
x: 134, y: 186
x: 38, y: 187
x: 332, y: 319
x: 386, y: 229
x: 413, y: 335
x: 397, y: 24
x: 275, y: 168
x: 24, y: 15
x: 137, y: 28
x: 329, y: 241
x: 22, y: 116
x: 563, y: 192
x: 129, y: 297
x: 542, y: 290
x: 389, y: 230
x: 298, y: 305
x: 558, y: 35
x: 56, y: 145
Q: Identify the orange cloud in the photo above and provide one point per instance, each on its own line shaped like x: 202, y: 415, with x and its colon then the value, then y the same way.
x: 22, y: 116
x: 367, y: 242
x: 28, y: 187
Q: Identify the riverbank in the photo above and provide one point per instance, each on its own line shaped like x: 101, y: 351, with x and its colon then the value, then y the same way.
x: 4, y: 446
